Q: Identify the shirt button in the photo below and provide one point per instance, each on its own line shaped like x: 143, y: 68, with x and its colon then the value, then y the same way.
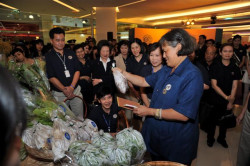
x: 157, y: 90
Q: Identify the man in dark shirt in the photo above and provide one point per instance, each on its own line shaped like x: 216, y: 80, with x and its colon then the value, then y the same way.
x: 201, y: 48
x: 63, y: 71
x: 239, y: 51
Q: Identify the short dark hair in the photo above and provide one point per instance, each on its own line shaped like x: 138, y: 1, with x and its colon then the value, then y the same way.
x: 179, y: 35
x: 203, y: 36
x: 12, y: 112
x: 38, y: 41
x: 212, y: 40
x: 76, y: 47
x: 237, y: 37
x: 56, y: 30
x: 139, y: 42
x: 101, y: 44
x: 17, y: 50
x: 103, y: 91
x: 154, y: 46
x: 224, y: 45
x: 122, y: 42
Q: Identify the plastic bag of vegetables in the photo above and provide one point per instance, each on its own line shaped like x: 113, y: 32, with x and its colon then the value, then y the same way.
x: 99, y: 139
x: 28, y: 138
x: 63, y: 136
x: 88, y: 155
x: 42, y: 136
x: 90, y: 127
x: 120, y: 81
x: 117, y: 154
x: 133, y: 141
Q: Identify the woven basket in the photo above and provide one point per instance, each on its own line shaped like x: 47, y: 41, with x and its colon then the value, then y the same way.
x: 162, y: 163
x: 43, y: 155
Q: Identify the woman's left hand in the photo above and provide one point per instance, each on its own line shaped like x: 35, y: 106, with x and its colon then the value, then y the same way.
x: 142, y: 111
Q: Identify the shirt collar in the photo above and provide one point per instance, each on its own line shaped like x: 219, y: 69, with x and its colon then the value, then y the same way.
x: 108, y: 60
x: 178, y: 71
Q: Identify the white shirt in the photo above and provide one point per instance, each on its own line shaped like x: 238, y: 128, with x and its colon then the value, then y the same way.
x: 105, y: 63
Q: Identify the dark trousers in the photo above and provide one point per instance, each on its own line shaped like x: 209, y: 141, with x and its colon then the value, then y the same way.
x: 219, y: 111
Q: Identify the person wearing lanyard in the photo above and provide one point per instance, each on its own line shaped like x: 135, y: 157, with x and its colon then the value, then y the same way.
x: 63, y: 71
x: 171, y: 130
x: 105, y: 115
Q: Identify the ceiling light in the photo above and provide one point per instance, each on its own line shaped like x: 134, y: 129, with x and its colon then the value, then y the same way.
x: 188, y: 22
x: 127, y: 4
x: 82, y: 35
x: 31, y: 16
x: 208, y: 9
x: 68, y: 6
x: 117, y: 9
x: 86, y: 15
x: 192, y: 22
x: 10, y: 7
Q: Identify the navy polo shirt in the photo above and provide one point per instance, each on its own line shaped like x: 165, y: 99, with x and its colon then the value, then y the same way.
x: 174, y: 140
x: 55, y: 67
x: 103, y: 120
x: 135, y: 67
x: 146, y: 71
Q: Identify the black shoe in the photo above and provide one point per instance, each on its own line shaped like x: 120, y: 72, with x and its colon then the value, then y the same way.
x: 210, y: 143
x: 223, y: 142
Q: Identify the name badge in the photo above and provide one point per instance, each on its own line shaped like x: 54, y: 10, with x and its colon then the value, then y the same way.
x: 67, y: 74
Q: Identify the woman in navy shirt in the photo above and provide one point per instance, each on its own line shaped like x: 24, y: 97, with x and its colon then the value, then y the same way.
x: 156, y: 60
x: 171, y: 130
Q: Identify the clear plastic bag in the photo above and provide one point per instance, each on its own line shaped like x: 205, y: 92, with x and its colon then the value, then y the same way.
x: 117, y: 155
x: 120, y: 81
x: 42, y: 136
x: 88, y: 155
x: 28, y: 137
x: 90, y: 127
x: 99, y: 139
x: 132, y: 140
x: 63, y: 136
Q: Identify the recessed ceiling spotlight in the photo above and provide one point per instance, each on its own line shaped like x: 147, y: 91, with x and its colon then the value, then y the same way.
x: 31, y: 16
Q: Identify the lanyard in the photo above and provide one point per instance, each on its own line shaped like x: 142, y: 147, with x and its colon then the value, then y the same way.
x: 108, y: 124
x: 63, y: 61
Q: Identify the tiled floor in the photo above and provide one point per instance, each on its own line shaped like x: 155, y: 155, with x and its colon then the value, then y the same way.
x: 217, y: 155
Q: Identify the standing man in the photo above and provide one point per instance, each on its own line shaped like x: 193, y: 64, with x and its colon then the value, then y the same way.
x: 201, y: 48
x: 63, y: 70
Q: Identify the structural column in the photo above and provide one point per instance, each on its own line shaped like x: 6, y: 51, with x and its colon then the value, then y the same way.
x: 105, y: 22
x: 46, y: 25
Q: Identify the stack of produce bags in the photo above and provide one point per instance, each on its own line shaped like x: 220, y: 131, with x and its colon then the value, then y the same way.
x: 126, y: 149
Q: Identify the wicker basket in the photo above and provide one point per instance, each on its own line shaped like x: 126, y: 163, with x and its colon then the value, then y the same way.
x: 162, y: 163
x: 43, y: 155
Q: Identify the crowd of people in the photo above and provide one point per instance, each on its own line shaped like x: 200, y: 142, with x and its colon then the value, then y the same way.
x: 173, y: 80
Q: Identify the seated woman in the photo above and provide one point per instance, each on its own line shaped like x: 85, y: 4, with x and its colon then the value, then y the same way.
x: 106, y: 114
x: 20, y: 57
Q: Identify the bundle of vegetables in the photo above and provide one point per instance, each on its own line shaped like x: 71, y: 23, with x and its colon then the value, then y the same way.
x: 32, y: 77
x: 100, y: 138
x: 63, y: 136
x: 132, y: 140
x: 118, y: 155
x: 90, y: 127
x: 88, y: 155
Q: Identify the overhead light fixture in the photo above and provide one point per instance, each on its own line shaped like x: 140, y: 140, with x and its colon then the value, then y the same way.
x: 117, y: 9
x: 31, y: 16
x: 10, y: 7
x: 188, y: 23
x: 192, y: 22
x: 66, y: 5
x: 208, y: 9
x: 127, y: 4
x: 86, y: 15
